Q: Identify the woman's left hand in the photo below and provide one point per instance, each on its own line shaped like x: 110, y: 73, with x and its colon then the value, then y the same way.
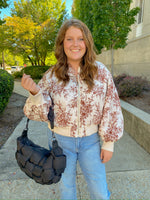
x: 106, y: 155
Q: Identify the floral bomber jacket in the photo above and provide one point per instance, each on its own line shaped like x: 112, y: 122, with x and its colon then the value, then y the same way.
x: 78, y: 112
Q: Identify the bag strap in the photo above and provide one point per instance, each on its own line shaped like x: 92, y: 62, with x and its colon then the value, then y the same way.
x: 25, y: 131
x: 50, y: 117
x: 27, y: 123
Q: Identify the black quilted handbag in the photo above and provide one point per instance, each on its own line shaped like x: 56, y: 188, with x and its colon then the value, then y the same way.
x: 43, y: 165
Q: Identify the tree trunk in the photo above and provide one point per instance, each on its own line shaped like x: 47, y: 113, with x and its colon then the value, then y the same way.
x: 112, y: 62
x: 38, y: 62
x: 3, y: 60
x: 43, y: 59
x: 30, y: 60
x: 43, y: 62
x: 36, y: 55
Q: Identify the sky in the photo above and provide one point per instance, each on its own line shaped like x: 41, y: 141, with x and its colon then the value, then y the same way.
x: 6, y: 11
x: 68, y: 6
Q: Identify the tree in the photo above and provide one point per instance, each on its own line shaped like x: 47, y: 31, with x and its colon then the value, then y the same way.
x: 22, y: 34
x: 51, y: 59
x: 82, y: 11
x: 3, y: 44
x: 111, y: 23
x: 13, y: 60
x: 3, y: 4
x: 33, y: 27
x: 115, y: 18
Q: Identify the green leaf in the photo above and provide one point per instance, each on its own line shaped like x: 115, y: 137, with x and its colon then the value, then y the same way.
x: 32, y: 28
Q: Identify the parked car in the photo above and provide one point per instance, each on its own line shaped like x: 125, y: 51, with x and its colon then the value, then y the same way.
x: 14, y: 69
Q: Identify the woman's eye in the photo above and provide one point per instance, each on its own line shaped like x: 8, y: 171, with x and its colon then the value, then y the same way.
x: 81, y: 39
x: 69, y: 39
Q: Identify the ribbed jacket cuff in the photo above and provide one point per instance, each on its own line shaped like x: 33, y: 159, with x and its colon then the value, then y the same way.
x: 109, y: 146
x: 37, y: 99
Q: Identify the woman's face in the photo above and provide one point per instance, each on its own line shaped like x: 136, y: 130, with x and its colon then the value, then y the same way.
x: 74, y: 45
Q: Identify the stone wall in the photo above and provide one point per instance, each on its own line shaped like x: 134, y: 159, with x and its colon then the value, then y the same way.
x: 137, y: 124
x: 134, y: 59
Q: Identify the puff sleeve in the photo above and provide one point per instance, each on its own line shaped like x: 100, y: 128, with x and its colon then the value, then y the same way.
x: 111, y: 126
x: 37, y: 106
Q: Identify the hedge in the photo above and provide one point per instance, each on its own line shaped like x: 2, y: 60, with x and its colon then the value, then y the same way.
x: 6, y: 88
x: 129, y: 86
x: 36, y: 72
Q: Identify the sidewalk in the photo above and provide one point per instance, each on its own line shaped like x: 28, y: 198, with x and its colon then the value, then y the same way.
x: 128, y: 173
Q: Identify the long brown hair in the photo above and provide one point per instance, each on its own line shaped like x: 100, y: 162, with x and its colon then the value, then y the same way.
x: 88, y: 69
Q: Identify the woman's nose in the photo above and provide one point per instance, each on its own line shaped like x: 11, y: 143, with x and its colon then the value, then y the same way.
x: 75, y: 42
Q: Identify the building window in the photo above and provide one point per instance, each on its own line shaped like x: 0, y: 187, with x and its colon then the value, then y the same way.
x: 140, y: 15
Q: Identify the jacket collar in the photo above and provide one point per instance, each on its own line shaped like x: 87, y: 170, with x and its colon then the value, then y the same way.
x: 71, y: 71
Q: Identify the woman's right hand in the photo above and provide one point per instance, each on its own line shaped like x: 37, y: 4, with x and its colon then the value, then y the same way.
x: 28, y: 84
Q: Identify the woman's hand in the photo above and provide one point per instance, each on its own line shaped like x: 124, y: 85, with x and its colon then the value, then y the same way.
x: 28, y: 84
x: 106, y: 155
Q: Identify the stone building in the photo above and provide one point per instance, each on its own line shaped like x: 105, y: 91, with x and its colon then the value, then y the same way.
x: 134, y: 59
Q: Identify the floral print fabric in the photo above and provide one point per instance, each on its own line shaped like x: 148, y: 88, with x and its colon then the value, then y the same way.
x: 76, y: 108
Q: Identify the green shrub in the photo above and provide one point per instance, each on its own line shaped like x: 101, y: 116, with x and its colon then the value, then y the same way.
x: 6, y: 88
x: 128, y: 86
x: 36, y: 72
x: 17, y: 74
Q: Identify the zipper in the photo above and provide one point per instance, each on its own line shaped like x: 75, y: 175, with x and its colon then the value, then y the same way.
x: 78, y: 104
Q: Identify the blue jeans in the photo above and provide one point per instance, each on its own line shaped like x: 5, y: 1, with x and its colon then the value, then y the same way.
x: 87, y: 151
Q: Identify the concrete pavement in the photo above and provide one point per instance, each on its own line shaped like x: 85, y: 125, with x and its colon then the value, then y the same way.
x: 128, y: 173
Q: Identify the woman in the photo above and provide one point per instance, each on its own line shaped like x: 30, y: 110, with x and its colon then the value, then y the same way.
x: 86, y: 107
